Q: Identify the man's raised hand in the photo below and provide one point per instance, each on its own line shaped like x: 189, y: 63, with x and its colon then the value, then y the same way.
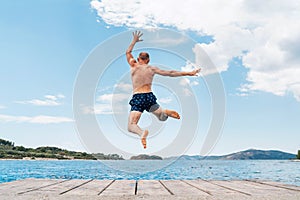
x: 137, y: 36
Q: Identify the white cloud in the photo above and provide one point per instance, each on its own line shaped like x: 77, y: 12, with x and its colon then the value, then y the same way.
x: 190, y: 14
x: 98, y: 109
x: 242, y: 94
x: 125, y: 87
x: 167, y: 42
x: 295, y: 87
x: 187, y: 92
x: 118, y: 97
x: 109, y: 103
x: 50, y: 100
x: 188, y: 67
x: 41, y: 119
x: 165, y: 100
x: 264, y: 35
x: 2, y: 107
x: 51, y: 97
x: 186, y: 82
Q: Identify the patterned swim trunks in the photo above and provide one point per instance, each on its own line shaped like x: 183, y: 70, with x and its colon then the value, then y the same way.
x: 144, y: 101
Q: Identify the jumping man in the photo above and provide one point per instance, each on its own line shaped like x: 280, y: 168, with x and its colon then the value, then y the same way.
x: 143, y: 99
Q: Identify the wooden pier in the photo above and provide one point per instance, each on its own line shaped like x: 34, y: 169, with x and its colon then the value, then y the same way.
x: 146, y: 189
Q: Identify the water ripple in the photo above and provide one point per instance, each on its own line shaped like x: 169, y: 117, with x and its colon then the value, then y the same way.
x: 274, y: 170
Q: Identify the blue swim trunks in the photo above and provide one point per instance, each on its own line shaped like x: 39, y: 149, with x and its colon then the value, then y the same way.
x: 144, y: 101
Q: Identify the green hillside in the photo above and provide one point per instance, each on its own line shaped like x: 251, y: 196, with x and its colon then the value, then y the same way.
x: 9, y: 151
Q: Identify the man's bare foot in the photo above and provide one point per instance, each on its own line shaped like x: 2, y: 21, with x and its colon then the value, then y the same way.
x: 143, y: 138
x: 172, y: 113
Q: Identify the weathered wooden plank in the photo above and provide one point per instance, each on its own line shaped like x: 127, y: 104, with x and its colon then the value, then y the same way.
x: 151, y: 187
x: 22, y: 186
x: 253, y: 189
x: 60, y: 188
x: 279, y: 185
x: 275, y: 190
x: 106, y: 187
x: 92, y: 188
x: 168, y: 189
x: 75, y: 187
x: 120, y: 187
x: 257, y: 189
x: 184, y: 188
x: 16, y: 184
x: 231, y: 186
x: 11, y: 186
x: 215, y: 190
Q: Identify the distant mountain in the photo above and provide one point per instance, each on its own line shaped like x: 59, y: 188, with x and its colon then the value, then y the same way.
x: 251, y: 154
x: 145, y: 157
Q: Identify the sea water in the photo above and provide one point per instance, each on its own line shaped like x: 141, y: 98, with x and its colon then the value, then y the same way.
x: 284, y: 171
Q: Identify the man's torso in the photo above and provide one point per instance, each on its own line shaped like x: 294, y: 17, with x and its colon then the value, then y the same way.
x: 142, y: 77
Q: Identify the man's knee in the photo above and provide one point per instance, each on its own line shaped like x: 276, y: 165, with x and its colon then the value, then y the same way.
x: 163, y: 117
x: 129, y: 128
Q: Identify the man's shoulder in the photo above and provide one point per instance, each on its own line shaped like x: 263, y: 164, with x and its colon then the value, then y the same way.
x: 132, y: 62
x: 133, y: 65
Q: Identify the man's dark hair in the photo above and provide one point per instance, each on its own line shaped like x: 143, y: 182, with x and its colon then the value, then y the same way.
x: 144, y: 55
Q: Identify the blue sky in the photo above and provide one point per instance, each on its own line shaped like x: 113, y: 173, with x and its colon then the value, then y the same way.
x: 44, y: 44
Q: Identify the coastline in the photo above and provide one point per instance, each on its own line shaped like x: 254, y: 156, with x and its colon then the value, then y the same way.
x: 53, y: 159
x: 296, y: 160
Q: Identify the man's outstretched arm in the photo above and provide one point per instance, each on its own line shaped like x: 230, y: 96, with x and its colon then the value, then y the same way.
x: 136, y: 38
x: 174, y: 73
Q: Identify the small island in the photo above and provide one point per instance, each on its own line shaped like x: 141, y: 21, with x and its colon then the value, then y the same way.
x: 146, y: 157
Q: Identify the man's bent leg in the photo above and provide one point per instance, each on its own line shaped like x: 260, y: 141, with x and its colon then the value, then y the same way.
x: 160, y: 114
x: 134, y: 118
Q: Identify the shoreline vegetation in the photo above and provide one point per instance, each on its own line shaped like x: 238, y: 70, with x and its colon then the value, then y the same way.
x: 8, y: 151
